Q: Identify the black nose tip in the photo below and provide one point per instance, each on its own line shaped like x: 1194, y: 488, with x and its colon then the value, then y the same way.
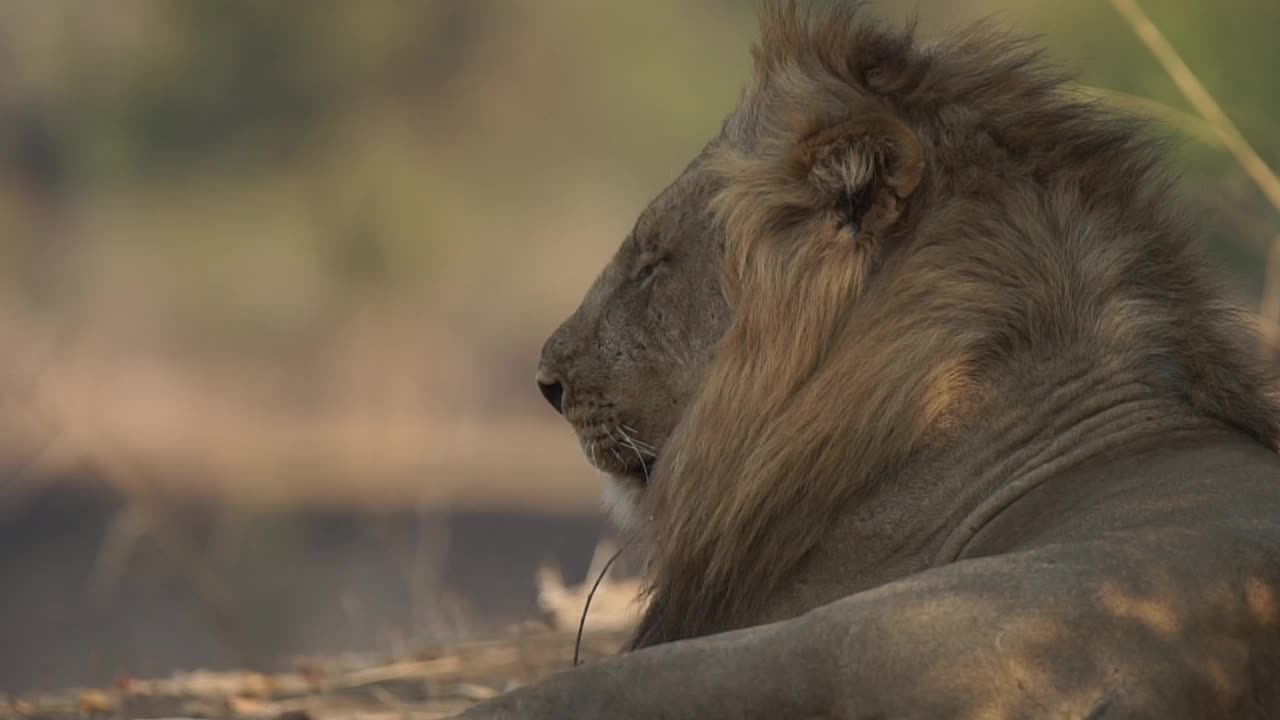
x: 553, y: 391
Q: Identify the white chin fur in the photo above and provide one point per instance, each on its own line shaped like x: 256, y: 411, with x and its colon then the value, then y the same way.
x: 622, y: 500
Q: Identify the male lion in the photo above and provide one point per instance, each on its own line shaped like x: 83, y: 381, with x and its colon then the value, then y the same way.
x: 925, y: 407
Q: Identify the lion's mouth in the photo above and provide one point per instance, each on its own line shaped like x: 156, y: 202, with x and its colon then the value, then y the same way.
x: 617, y: 451
x: 638, y: 475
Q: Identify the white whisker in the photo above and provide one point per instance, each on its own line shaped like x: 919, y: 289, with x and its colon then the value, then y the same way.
x: 631, y: 433
x: 639, y: 456
x: 647, y: 448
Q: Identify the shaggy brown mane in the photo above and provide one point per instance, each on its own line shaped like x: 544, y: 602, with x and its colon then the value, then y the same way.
x: 1013, y: 221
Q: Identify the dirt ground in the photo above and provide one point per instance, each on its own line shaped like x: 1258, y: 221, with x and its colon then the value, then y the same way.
x: 435, y: 683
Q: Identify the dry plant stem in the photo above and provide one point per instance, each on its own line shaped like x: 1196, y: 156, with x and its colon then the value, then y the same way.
x: 1199, y: 97
x: 1190, y: 125
x: 586, y: 608
x: 1269, y: 310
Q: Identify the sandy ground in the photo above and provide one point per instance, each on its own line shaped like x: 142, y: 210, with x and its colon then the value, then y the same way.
x: 435, y: 683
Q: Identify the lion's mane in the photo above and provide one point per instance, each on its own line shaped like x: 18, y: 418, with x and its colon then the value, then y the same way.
x: 853, y: 348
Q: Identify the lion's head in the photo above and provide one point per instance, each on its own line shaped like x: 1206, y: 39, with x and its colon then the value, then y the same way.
x: 879, y: 237
x: 622, y: 368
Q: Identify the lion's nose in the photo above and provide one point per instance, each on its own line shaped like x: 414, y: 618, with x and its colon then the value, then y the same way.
x: 552, y: 389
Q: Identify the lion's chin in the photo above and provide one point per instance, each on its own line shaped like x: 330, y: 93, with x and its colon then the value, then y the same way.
x: 622, y: 499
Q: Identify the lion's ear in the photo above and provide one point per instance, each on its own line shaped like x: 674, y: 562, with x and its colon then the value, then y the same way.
x: 862, y: 171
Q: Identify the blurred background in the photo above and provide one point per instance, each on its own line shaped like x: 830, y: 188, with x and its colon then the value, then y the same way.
x: 274, y: 275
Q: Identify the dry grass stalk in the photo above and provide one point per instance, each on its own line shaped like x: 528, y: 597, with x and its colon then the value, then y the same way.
x: 1246, y: 157
x: 1190, y: 125
x: 1269, y: 308
x: 1200, y: 98
x: 614, y: 607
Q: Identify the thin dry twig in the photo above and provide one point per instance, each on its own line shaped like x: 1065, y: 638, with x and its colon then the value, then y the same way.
x: 586, y: 607
x: 1269, y: 308
x: 1200, y: 98
x: 1188, y: 124
x: 1246, y: 157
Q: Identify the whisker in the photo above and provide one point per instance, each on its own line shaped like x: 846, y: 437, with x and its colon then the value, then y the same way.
x: 630, y: 432
x: 609, y: 432
x: 638, y: 441
x: 644, y: 447
x: 639, y: 456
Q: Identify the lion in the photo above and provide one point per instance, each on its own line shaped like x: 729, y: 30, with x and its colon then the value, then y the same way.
x: 923, y: 404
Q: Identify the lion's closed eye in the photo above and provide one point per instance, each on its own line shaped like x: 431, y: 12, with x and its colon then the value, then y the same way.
x: 648, y: 268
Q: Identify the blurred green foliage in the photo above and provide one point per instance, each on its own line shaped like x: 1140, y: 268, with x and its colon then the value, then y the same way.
x: 243, y: 173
